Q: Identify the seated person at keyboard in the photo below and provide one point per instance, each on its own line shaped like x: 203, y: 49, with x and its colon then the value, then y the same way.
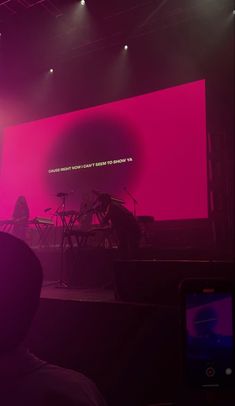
x: 24, y: 379
x: 20, y: 218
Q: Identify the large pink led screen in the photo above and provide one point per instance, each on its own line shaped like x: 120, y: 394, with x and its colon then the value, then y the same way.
x: 152, y: 147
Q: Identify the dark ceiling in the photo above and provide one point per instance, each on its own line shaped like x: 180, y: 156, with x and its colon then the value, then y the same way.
x: 44, y: 32
x: 170, y: 42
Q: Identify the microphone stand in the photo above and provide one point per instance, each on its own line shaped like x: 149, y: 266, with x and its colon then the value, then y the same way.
x: 133, y: 200
x: 59, y: 213
x: 60, y: 283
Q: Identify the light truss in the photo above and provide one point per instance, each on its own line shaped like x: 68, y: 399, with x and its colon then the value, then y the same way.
x: 15, y: 6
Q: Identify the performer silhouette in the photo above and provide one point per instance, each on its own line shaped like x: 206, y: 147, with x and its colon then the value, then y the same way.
x: 124, y: 224
x: 20, y: 217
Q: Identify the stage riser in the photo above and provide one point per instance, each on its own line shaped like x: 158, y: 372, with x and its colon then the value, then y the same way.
x: 89, y: 267
x: 83, y: 268
x: 158, y: 281
x: 94, y: 267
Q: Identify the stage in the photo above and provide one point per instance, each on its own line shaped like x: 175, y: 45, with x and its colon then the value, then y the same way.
x: 149, y: 281
x: 52, y: 290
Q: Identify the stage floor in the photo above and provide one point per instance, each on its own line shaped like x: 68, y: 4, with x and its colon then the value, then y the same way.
x: 52, y: 290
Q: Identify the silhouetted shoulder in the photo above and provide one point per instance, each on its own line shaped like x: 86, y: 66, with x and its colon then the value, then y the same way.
x: 28, y: 381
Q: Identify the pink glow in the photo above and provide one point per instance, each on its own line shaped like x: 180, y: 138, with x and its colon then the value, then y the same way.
x: 223, y: 309
x: 166, y: 133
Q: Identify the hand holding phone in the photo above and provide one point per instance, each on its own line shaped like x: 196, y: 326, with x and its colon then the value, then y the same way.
x: 207, y: 308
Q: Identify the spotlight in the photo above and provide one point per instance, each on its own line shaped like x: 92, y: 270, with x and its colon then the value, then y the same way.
x: 126, y: 47
x: 233, y: 12
x: 51, y: 70
x: 83, y: 2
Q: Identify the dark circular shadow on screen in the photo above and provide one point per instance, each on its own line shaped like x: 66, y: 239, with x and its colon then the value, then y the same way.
x: 99, y: 139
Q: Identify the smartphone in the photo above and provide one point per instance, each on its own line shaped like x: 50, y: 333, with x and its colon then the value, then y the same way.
x: 207, y: 310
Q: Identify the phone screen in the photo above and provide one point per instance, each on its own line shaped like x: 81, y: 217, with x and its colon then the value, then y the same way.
x: 209, y: 338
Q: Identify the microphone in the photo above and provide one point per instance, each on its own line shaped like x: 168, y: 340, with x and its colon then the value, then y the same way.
x: 62, y: 194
